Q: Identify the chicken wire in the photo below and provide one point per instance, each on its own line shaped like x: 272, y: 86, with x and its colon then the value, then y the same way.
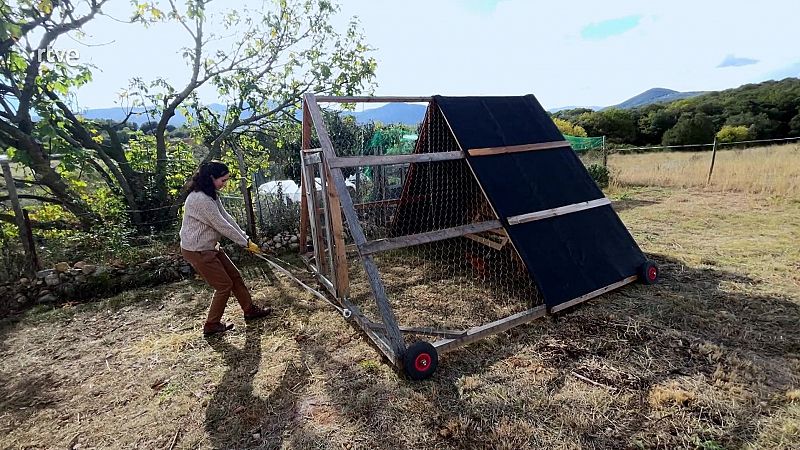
x: 455, y: 283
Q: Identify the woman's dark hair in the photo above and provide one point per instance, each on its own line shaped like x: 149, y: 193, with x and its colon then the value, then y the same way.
x: 203, y: 178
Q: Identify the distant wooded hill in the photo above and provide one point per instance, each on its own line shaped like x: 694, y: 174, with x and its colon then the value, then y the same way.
x: 657, y: 116
x: 656, y: 95
x: 402, y: 113
x: 767, y: 110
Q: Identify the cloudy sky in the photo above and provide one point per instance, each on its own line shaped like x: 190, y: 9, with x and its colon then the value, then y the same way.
x: 580, y: 52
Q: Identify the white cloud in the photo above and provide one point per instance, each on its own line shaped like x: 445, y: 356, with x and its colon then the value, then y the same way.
x: 735, y: 61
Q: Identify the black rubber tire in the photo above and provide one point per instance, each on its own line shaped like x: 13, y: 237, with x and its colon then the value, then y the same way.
x: 648, y: 273
x: 420, y: 360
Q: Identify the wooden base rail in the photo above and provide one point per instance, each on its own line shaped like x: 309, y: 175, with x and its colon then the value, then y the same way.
x: 593, y: 294
x: 477, y: 333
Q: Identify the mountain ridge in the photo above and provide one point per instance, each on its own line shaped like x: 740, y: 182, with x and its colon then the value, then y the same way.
x: 656, y: 95
x: 406, y: 113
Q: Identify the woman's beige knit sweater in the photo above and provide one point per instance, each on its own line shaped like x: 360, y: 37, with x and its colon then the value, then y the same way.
x: 205, y: 221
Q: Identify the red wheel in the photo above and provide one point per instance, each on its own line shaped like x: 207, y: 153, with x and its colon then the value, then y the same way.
x: 421, y: 360
x: 648, y: 273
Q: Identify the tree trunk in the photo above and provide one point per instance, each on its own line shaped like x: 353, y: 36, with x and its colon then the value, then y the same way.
x: 47, y: 176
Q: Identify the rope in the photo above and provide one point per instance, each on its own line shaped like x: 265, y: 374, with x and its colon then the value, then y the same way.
x: 346, y: 313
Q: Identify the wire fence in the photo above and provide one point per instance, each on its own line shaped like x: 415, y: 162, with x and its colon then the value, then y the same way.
x: 276, y: 202
x: 768, y: 166
x: 710, y: 145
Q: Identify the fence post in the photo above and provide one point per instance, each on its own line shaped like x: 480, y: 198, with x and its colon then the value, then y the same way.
x: 605, y: 153
x: 29, y: 232
x: 24, y: 231
x: 248, y: 202
x: 713, y: 156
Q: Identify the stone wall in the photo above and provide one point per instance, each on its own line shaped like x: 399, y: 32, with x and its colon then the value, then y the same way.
x: 66, y: 282
x: 81, y: 281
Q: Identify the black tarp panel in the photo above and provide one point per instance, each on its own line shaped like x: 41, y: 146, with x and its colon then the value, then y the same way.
x: 568, y: 255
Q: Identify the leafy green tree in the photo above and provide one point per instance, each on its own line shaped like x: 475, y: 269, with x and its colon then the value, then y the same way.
x: 148, y: 127
x: 618, y: 125
x: 571, y: 115
x: 568, y: 128
x: 283, y: 50
x: 280, y: 52
x: 690, y: 129
x: 656, y: 122
x: 794, y: 126
x: 733, y: 134
x: 29, y: 84
x: 760, y: 126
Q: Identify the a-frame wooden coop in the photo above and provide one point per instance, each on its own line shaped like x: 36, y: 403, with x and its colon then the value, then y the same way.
x: 492, y: 192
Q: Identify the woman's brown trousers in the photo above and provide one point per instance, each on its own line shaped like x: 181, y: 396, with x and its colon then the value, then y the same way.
x: 223, y: 276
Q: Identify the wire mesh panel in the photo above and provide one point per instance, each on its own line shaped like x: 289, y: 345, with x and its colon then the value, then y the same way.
x: 234, y: 205
x: 454, y: 283
x: 276, y: 203
x: 591, y: 150
x: 593, y: 156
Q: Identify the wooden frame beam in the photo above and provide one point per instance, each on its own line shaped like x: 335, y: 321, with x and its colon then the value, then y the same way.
x: 382, y: 245
x: 31, y: 261
x: 307, y: 179
x: 326, y: 218
x: 498, y: 326
x: 593, y: 294
x: 369, y: 99
x: 517, y: 148
x: 488, y: 242
x: 424, y: 330
x: 305, y: 145
x: 393, y: 334
x: 337, y: 245
x: 385, y: 160
x: 368, y: 327
x: 560, y: 211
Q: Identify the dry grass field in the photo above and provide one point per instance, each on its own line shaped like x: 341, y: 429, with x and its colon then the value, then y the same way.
x: 707, y: 359
x: 772, y: 170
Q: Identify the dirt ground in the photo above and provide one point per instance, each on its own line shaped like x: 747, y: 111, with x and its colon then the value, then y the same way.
x: 709, y: 359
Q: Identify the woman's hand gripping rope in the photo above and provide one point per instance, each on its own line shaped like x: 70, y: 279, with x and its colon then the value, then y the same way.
x: 253, y: 248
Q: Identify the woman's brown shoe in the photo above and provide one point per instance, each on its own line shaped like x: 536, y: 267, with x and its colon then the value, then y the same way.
x: 218, y: 327
x: 254, y: 312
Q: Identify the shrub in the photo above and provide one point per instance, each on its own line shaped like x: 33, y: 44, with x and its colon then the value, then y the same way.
x: 568, y: 128
x: 599, y: 174
x: 733, y: 134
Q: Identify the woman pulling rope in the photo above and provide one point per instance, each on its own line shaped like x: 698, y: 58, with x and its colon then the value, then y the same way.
x: 205, y: 221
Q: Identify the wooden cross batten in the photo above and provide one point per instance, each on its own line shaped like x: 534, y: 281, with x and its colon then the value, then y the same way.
x: 396, y: 343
